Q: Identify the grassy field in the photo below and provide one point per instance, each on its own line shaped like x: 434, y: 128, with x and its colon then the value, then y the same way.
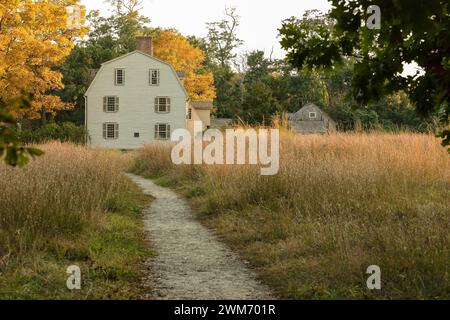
x: 339, y: 204
x: 70, y: 207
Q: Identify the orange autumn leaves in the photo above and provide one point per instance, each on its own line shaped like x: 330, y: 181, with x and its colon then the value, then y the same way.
x: 34, y: 37
x: 172, y: 47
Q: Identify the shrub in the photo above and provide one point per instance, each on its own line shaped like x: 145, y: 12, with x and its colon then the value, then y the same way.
x: 65, y: 132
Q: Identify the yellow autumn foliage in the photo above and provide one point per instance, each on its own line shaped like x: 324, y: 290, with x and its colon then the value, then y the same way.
x: 174, y: 48
x: 34, y: 37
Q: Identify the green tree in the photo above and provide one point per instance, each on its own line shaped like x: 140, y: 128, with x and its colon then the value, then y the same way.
x: 222, y: 39
x: 259, y: 104
x: 294, y: 89
x: 258, y: 67
x: 220, y: 45
x: 259, y: 100
x: 229, y: 90
x: 412, y: 31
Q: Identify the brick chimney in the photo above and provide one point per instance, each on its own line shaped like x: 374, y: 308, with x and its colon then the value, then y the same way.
x: 145, y: 44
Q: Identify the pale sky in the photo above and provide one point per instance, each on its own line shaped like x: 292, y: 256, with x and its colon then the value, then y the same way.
x: 260, y: 19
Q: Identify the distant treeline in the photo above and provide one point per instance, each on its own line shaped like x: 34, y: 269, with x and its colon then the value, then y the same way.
x: 250, y: 86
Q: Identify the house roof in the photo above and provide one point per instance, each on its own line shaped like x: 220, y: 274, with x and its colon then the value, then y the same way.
x: 219, y: 123
x: 293, y: 116
x: 181, y: 74
x: 202, y: 105
x: 145, y: 54
x: 290, y: 115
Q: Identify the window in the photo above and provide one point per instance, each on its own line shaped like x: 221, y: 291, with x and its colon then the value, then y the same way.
x: 110, y: 131
x: 136, y: 134
x: 154, y: 77
x: 313, y: 115
x: 162, y: 131
x: 110, y: 104
x: 190, y: 114
x: 120, y: 77
x: 162, y: 105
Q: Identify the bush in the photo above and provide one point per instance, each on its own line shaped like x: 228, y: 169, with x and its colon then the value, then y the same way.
x: 64, y: 132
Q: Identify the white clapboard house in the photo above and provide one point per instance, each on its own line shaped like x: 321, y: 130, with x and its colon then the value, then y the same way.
x: 137, y: 99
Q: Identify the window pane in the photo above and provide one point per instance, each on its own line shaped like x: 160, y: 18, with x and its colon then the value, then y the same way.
x: 110, y: 132
x: 162, y: 131
x: 162, y: 105
x: 111, y: 104
x: 119, y: 76
x: 154, y: 77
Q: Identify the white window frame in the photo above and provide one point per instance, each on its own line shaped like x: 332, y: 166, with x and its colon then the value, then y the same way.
x: 313, y: 113
x: 116, y: 76
x: 107, y: 105
x: 152, y: 77
x: 109, y: 127
x: 158, y: 131
x: 158, y: 105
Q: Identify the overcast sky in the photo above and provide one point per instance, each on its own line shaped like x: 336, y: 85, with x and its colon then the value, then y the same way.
x: 260, y: 20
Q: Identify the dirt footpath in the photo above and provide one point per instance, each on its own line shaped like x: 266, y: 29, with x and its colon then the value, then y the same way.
x: 191, y: 263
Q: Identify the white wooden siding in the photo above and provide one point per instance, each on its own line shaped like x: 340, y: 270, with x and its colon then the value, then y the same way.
x: 137, y: 99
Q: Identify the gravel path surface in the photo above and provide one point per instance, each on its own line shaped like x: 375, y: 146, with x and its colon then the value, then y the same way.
x: 191, y: 263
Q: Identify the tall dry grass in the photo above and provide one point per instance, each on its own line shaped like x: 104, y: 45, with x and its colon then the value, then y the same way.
x: 72, y: 206
x: 339, y: 204
x: 56, y: 195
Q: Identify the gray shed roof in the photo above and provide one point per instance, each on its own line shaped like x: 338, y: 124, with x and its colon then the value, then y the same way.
x: 202, y: 105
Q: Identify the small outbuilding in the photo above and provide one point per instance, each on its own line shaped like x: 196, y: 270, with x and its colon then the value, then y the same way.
x: 311, y: 119
x: 199, y: 111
